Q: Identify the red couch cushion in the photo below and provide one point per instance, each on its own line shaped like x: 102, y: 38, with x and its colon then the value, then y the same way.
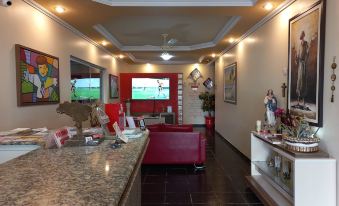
x: 177, y: 128
x: 170, y: 128
x: 155, y: 127
x: 175, y: 148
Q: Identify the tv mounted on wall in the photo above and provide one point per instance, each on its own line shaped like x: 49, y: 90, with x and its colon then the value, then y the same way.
x: 85, y: 89
x: 150, y: 88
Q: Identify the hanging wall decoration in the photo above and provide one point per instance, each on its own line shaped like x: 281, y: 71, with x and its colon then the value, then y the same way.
x: 306, y: 64
x: 195, y: 75
x: 208, y: 83
x: 230, y: 83
x: 113, y: 87
x: 37, y: 77
x: 333, y: 78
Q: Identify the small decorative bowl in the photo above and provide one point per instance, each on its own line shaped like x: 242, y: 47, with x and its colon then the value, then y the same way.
x: 302, y: 144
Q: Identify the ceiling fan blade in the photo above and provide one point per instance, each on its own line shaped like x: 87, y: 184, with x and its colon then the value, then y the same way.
x: 172, y: 41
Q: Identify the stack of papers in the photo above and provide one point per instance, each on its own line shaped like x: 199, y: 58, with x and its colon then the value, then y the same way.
x: 132, y: 133
x: 23, y: 136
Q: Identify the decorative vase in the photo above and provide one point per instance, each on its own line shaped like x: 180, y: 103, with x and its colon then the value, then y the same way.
x: 302, y: 144
x: 209, y: 121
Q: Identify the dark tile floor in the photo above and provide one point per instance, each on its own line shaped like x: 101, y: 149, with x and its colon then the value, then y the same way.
x: 221, y: 183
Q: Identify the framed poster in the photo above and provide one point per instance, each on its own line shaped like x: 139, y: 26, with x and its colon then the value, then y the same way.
x: 113, y: 87
x: 195, y: 75
x: 37, y: 77
x: 230, y: 83
x: 306, y: 64
x: 208, y: 83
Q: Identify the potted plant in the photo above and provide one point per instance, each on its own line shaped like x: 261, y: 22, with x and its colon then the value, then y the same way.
x: 208, y: 105
x: 297, y: 133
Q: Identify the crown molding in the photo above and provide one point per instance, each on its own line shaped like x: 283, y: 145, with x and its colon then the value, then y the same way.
x: 227, y: 28
x: 128, y: 48
x: 44, y: 11
x: 101, y: 29
x: 177, y: 3
x: 144, y: 61
x: 258, y: 25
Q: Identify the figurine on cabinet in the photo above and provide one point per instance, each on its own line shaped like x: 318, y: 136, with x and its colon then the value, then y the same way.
x: 271, y: 103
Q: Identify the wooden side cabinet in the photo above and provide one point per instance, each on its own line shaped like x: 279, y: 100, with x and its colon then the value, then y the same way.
x: 283, y: 177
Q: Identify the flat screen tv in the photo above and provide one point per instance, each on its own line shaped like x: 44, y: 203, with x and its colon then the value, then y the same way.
x: 85, y: 89
x: 150, y: 88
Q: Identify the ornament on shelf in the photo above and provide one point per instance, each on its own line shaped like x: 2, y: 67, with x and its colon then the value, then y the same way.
x: 333, y: 78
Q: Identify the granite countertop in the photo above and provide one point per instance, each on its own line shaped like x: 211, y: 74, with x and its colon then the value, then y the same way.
x: 87, y: 175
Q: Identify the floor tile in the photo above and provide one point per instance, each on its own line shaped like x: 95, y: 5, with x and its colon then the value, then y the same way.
x: 177, y: 187
x: 177, y: 198
x: 152, y: 188
x: 251, y: 198
x: 204, y: 198
x: 233, y: 198
x: 152, y: 198
x: 221, y: 183
x: 177, y: 179
x: 155, y: 179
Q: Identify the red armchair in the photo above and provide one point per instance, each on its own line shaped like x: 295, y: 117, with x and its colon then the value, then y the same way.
x: 175, y: 144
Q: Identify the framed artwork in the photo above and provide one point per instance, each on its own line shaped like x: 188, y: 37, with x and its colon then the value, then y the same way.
x: 306, y: 64
x: 230, y: 83
x: 113, y: 87
x: 208, y: 83
x: 37, y: 76
x: 195, y: 75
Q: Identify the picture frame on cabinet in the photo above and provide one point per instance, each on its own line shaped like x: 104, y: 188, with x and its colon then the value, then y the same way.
x: 306, y: 63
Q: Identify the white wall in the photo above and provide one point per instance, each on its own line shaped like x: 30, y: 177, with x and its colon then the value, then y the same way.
x: 191, y: 106
x: 22, y: 24
x: 261, y: 60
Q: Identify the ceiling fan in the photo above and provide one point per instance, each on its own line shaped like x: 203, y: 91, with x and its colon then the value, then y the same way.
x: 167, y: 45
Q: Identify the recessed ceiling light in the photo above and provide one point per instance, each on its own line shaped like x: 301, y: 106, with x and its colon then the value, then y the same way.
x: 231, y: 40
x: 104, y: 43
x: 121, y: 56
x: 59, y: 9
x: 213, y: 55
x: 268, y: 6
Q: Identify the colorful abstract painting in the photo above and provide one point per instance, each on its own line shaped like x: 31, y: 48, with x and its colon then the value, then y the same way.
x: 37, y: 77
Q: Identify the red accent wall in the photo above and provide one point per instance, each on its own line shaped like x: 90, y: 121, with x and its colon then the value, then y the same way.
x: 146, y: 106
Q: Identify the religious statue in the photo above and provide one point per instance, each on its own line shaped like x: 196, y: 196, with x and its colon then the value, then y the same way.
x: 271, y: 106
x: 302, y: 61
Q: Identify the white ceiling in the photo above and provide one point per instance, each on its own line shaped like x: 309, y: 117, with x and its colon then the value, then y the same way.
x: 133, y: 28
x: 178, y: 2
x: 143, y: 33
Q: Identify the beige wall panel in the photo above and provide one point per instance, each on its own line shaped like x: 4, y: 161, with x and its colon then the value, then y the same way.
x: 262, y: 58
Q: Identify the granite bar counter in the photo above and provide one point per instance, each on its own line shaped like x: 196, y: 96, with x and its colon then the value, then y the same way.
x: 87, y: 175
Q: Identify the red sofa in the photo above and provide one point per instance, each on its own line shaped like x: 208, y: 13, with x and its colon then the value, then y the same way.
x: 175, y: 144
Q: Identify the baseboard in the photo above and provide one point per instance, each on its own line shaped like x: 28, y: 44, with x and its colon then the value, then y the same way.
x: 233, y: 147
